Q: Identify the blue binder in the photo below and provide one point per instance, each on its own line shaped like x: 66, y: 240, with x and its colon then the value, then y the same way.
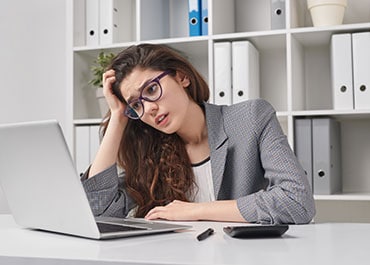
x: 204, y: 15
x: 194, y: 17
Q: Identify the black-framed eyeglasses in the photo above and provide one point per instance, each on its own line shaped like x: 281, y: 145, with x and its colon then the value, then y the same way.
x: 151, y: 91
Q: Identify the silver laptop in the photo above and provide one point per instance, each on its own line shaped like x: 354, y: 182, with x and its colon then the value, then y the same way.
x: 43, y: 189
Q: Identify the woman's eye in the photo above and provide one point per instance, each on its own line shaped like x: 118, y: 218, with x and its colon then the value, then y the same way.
x: 135, y: 105
x: 151, y: 89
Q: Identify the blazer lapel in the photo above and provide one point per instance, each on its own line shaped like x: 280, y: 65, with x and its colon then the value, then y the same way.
x: 218, y: 144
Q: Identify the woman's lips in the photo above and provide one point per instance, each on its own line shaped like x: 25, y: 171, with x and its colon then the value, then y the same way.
x: 161, y: 119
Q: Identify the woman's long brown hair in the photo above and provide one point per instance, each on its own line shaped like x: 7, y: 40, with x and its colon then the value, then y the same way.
x: 157, y: 166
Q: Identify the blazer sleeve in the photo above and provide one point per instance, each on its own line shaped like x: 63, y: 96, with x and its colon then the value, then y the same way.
x: 106, y: 194
x: 287, y: 197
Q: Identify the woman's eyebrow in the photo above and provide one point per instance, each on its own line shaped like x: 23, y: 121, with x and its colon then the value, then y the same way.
x: 130, y: 98
x: 148, y: 81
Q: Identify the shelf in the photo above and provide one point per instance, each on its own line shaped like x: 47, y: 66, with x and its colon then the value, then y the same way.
x: 320, y: 37
x: 344, y: 197
x: 105, y: 47
x: 249, y: 34
x: 120, y: 46
x: 82, y: 122
x: 337, y: 28
x: 339, y: 114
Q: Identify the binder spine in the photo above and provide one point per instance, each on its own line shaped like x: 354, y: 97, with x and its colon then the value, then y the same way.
x: 194, y: 17
x: 82, y: 149
x: 204, y: 16
x: 341, y: 71
x: 94, y: 141
x: 303, y: 146
x: 245, y: 71
x: 326, y: 156
x: 108, y: 21
x: 92, y: 22
x: 278, y: 14
x: 222, y: 73
x: 361, y: 66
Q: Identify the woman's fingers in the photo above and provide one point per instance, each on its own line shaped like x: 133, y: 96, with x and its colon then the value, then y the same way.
x: 108, y: 79
x: 176, y: 210
x: 113, y: 101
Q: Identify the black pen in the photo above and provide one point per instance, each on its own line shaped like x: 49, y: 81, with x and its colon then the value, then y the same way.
x: 205, y: 234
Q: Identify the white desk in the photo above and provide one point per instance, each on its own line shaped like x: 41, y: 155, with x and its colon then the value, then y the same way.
x: 302, y: 244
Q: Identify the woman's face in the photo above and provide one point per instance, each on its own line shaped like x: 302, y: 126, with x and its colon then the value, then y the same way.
x: 168, y: 113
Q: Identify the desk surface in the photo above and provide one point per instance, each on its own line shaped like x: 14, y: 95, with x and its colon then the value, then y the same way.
x: 335, y: 243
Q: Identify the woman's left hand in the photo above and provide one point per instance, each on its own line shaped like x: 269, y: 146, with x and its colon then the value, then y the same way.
x: 176, y: 211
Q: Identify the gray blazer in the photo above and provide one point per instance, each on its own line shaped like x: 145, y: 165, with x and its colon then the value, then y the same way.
x: 251, y: 162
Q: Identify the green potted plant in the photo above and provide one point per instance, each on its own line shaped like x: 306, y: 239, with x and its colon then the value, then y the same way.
x: 100, y: 65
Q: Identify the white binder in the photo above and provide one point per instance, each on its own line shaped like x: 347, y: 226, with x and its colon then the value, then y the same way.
x: 222, y: 73
x: 82, y: 148
x: 341, y: 71
x: 87, y: 144
x: 303, y: 145
x: 278, y: 14
x: 108, y: 21
x: 94, y: 141
x: 361, y: 69
x: 245, y: 71
x: 327, y: 178
x: 92, y: 22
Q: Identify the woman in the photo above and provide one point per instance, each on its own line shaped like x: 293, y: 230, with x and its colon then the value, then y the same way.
x: 184, y: 159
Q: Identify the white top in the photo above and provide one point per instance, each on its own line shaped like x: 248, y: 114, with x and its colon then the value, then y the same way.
x: 204, y: 190
x: 204, y: 183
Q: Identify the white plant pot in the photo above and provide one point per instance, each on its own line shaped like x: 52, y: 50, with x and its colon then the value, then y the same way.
x: 327, y: 12
x: 103, y: 105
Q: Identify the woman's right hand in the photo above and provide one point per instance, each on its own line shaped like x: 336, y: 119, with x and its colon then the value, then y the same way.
x: 109, y: 146
x: 115, y: 105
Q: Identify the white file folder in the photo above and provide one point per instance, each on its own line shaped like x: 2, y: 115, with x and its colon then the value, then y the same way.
x: 326, y: 156
x: 341, y: 71
x: 361, y: 69
x: 303, y: 145
x: 92, y: 22
x: 108, y: 21
x: 245, y: 73
x: 222, y: 72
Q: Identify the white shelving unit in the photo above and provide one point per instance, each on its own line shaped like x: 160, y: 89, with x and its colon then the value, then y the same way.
x: 294, y: 72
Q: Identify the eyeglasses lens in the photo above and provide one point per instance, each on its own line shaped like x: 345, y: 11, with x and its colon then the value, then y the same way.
x: 131, y: 113
x: 152, y: 91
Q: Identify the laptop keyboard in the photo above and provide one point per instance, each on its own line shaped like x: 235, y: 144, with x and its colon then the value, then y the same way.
x: 111, y: 228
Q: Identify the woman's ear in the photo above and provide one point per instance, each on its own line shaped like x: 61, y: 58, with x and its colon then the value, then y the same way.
x: 182, y: 79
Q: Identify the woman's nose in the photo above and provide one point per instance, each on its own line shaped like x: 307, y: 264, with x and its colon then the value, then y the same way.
x: 150, y: 107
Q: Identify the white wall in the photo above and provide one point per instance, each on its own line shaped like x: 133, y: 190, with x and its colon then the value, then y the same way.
x: 33, y: 55
x: 3, y: 204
